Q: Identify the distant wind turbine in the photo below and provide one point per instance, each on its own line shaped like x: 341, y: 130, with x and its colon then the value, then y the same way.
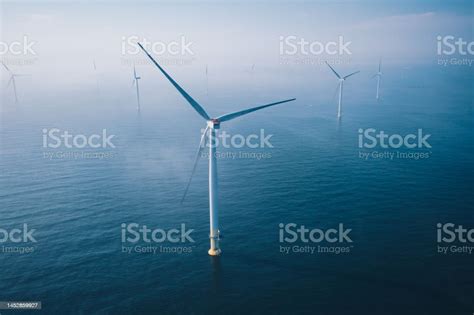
x: 213, y: 124
x: 135, y: 82
x: 12, y: 80
x: 379, y: 77
x: 207, y: 82
x: 96, y: 76
x: 341, y: 84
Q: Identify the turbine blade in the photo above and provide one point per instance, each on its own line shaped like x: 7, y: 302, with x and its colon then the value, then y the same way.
x: 380, y: 64
x: 190, y: 100
x: 230, y: 116
x: 134, y: 72
x: 133, y: 82
x: 350, y: 74
x: 10, y: 81
x: 337, y: 74
x: 5, y: 66
x: 196, y: 160
x: 375, y: 75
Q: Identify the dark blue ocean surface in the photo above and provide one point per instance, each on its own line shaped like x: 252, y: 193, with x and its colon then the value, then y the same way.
x: 313, y: 175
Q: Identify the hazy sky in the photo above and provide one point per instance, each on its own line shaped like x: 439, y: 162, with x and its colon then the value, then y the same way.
x: 69, y: 36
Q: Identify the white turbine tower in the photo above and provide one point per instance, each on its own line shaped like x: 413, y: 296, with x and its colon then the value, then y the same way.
x: 12, y: 80
x: 341, y: 84
x: 135, y: 82
x: 213, y: 124
x: 379, y: 77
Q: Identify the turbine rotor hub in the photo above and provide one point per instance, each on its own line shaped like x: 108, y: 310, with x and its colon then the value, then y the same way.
x: 214, y: 123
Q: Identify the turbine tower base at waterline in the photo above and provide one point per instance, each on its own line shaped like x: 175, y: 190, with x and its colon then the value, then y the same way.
x: 214, y: 252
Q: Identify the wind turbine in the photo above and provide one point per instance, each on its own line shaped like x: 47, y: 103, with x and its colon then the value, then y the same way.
x: 341, y: 84
x: 135, y: 82
x: 379, y: 77
x: 96, y: 77
x: 207, y: 83
x: 12, y: 80
x: 213, y: 124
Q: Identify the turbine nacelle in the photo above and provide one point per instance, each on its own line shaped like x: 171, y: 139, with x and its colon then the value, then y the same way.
x: 214, y: 123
